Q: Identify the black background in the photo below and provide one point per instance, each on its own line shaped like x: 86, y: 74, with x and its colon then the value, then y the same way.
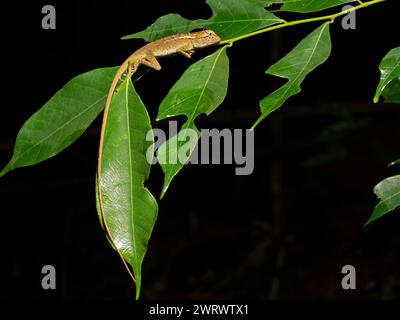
x: 283, y: 232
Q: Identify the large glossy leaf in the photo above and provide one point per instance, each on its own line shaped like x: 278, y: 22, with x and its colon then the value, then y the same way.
x: 311, y: 52
x: 390, y: 70
x: 201, y: 89
x: 388, y: 191
x: 130, y: 209
x: 231, y: 18
x: 62, y: 119
x: 304, y: 6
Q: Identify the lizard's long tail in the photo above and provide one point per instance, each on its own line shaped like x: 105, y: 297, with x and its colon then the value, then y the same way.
x: 129, y: 69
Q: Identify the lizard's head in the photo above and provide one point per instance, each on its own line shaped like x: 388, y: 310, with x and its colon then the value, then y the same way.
x: 204, y: 38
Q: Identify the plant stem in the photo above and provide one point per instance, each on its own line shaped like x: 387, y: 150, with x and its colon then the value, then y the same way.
x: 331, y: 17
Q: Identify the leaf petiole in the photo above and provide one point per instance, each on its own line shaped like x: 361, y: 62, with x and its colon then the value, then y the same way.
x: 331, y: 17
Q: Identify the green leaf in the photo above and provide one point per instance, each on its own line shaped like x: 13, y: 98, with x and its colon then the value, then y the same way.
x: 304, y: 6
x: 266, y: 3
x: 391, y: 93
x: 269, y: 2
x: 130, y: 209
x: 231, y: 18
x: 390, y: 70
x: 62, y: 119
x: 201, y: 89
x: 388, y: 191
x: 311, y: 52
x: 99, y: 215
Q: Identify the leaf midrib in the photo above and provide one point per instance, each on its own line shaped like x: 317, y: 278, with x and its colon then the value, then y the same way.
x: 127, y: 83
x: 65, y: 124
x: 192, y: 116
x: 384, y: 200
x: 295, y: 81
x: 392, y: 70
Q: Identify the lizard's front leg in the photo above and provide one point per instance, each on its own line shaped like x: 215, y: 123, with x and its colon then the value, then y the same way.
x: 151, y: 62
x: 133, y: 66
x: 186, y: 50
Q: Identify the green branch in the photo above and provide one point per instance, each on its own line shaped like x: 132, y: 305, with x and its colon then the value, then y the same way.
x: 331, y: 17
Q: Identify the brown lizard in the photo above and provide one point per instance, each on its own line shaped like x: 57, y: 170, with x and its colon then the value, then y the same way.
x: 184, y: 44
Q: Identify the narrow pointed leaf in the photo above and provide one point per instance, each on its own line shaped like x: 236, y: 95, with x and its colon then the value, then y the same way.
x: 130, y: 209
x: 390, y: 70
x: 62, y: 119
x: 231, y: 18
x: 201, y: 89
x: 388, y: 191
x: 311, y: 52
x: 304, y: 6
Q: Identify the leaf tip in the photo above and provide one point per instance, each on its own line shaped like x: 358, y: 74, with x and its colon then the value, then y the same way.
x: 165, y: 187
x: 163, y: 192
x: 367, y: 224
x: 5, y: 170
x: 137, y: 295
x: 128, y: 37
x: 261, y: 118
x: 393, y: 163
